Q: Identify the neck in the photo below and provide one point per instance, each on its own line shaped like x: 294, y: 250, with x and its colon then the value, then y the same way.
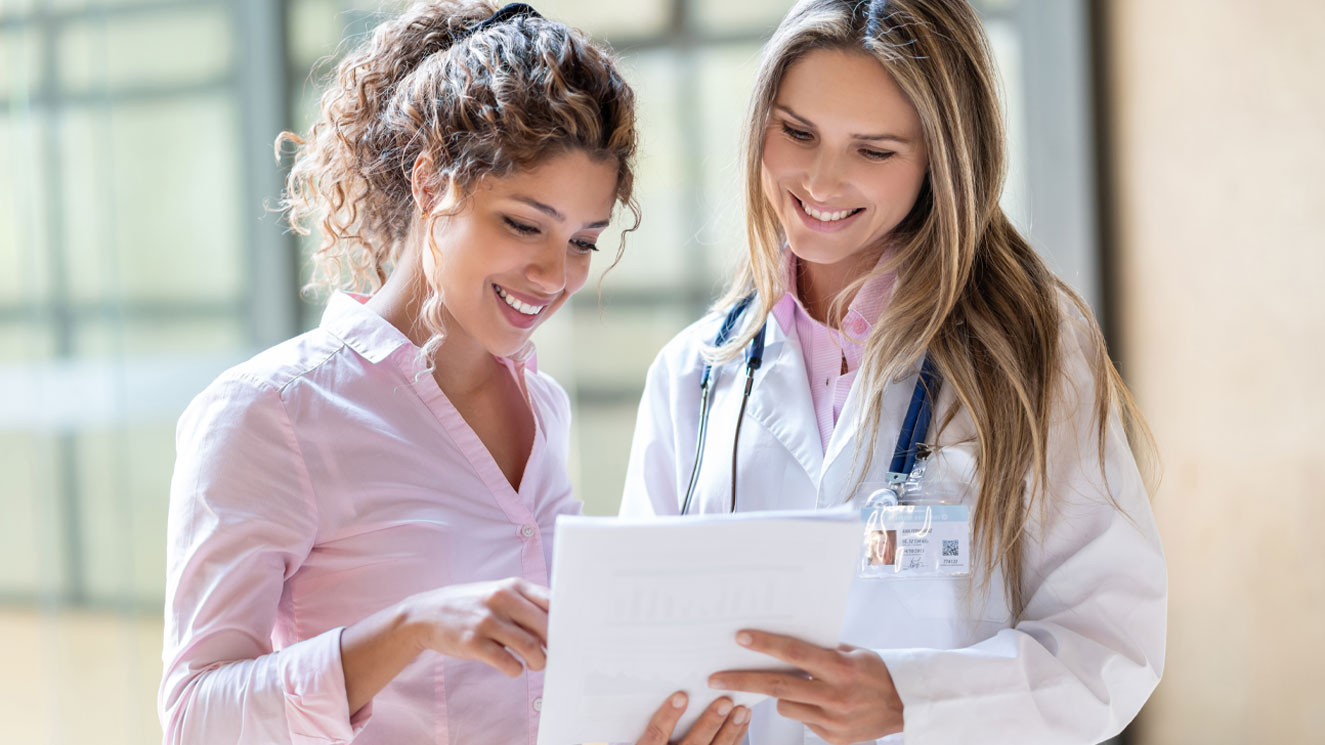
x: 818, y: 285
x: 460, y: 365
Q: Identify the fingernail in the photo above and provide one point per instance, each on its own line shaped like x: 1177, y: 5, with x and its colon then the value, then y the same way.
x: 742, y: 714
x: 715, y: 682
x: 724, y: 708
x: 678, y: 700
x: 744, y: 639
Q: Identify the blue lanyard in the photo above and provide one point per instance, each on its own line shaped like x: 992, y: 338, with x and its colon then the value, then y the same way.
x: 916, y: 424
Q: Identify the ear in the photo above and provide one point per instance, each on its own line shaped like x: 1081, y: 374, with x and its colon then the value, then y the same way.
x: 422, y: 183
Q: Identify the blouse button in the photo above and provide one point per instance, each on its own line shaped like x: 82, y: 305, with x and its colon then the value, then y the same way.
x: 538, y: 704
x: 527, y: 531
x: 857, y: 326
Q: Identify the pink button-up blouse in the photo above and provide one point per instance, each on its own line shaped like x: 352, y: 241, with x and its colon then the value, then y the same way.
x: 315, y: 484
x: 824, y: 349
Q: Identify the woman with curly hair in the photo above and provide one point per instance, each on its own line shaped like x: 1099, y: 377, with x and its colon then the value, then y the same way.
x: 360, y: 517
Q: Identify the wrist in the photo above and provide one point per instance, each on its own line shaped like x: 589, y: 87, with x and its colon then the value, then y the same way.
x: 410, y: 627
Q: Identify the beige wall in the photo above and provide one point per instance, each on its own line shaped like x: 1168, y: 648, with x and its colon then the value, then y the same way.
x: 1218, y: 115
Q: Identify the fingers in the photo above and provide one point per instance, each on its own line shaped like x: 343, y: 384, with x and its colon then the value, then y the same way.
x: 807, y: 713
x: 708, y: 724
x: 540, y: 595
x: 733, y: 730
x: 520, y: 601
x: 664, y: 721
x: 780, y: 685
x: 497, y: 656
x: 816, y: 661
x: 518, y: 641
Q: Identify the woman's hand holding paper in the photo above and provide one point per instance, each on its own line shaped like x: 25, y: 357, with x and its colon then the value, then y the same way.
x: 843, y: 695
x: 720, y: 724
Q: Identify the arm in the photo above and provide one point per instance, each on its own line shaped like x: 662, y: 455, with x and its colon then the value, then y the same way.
x: 242, y: 520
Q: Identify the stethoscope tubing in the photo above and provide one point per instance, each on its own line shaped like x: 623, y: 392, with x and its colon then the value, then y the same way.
x: 915, y: 425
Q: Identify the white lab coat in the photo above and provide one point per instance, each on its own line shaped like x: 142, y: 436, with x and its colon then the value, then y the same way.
x: 1090, y: 647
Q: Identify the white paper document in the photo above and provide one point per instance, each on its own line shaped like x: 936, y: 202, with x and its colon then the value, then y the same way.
x: 641, y: 609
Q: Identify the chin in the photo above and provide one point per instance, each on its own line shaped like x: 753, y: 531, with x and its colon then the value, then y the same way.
x: 815, y: 252
x: 509, y: 347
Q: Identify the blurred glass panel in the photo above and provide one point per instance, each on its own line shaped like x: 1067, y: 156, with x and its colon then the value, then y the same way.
x: 124, y: 473
x: 314, y: 28
x: 109, y: 4
x: 182, y: 338
x: 150, y: 195
x: 32, y: 563
x: 20, y: 63
x: 655, y: 254
x: 187, y: 45
x: 24, y: 261
x: 22, y: 341
x: 743, y: 16
x: 724, y: 92
x: 602, y: 450
x: 16, y: 8
x: 1006, y: 43
x: 611, y: 20
x: 609, y: 349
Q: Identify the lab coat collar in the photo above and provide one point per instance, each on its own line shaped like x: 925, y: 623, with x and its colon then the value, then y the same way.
x: 783, y: 384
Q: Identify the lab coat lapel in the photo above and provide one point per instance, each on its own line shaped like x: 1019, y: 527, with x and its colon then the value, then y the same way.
x: 840, y: 460
x: 780, y: 400
x: 835, y: 473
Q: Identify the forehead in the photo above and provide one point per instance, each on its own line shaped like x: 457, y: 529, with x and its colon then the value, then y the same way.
x: 571, y: 181
x: 848, y: 90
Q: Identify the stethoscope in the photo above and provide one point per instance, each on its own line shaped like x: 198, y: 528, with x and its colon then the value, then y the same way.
x: 910, y: 440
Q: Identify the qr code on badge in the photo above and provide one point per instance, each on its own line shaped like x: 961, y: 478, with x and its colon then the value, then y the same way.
x: 950, y: 548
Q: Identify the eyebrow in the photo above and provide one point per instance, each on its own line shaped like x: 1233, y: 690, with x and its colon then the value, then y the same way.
x: 872, y: 138
x: 552, y: 212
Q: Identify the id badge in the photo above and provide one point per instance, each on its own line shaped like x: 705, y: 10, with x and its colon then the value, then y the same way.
x: 914, y: 539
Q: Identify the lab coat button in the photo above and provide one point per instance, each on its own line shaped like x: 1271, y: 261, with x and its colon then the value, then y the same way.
x: 527, y: 531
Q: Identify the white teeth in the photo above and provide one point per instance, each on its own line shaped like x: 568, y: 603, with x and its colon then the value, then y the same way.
x: 826, y: 216
x: 525, y: 308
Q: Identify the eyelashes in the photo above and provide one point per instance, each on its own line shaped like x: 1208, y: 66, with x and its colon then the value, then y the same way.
x: 530, y: 230
x: 520, y: 227
x: 800, y: 135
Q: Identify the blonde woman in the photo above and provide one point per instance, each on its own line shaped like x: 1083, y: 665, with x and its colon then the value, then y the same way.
x: 361, y: 517
x: 884, y: 290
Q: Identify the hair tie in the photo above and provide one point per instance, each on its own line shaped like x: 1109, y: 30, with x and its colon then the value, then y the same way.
x: 507, y: 13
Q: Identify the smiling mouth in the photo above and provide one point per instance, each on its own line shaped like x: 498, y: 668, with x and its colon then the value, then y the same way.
x: 826, y: 216
x: 519, y: 306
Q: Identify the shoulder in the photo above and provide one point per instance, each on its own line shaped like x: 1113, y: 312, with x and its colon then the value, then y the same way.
x: 684, y: 353
x: 261, y: 383
x: 1080, y: 341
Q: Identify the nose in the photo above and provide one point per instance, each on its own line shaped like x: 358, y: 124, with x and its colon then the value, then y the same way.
x: 547, y: 270
x: 823, y: 176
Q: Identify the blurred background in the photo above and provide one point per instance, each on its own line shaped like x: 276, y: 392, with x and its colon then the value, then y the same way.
x: 1166, y: 159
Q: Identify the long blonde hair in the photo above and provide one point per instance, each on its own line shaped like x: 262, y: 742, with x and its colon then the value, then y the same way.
x: 970, y: 291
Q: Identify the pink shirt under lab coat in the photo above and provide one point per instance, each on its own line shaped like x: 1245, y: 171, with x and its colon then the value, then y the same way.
x: 825, y: 349
x: 315, y: 484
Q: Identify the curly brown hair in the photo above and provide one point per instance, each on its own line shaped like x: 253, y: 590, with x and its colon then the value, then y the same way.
x: 478, y: 103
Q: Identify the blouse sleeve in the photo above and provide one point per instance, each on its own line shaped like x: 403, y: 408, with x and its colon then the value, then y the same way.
x: 1089, y: 648
x: 242, y: 520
